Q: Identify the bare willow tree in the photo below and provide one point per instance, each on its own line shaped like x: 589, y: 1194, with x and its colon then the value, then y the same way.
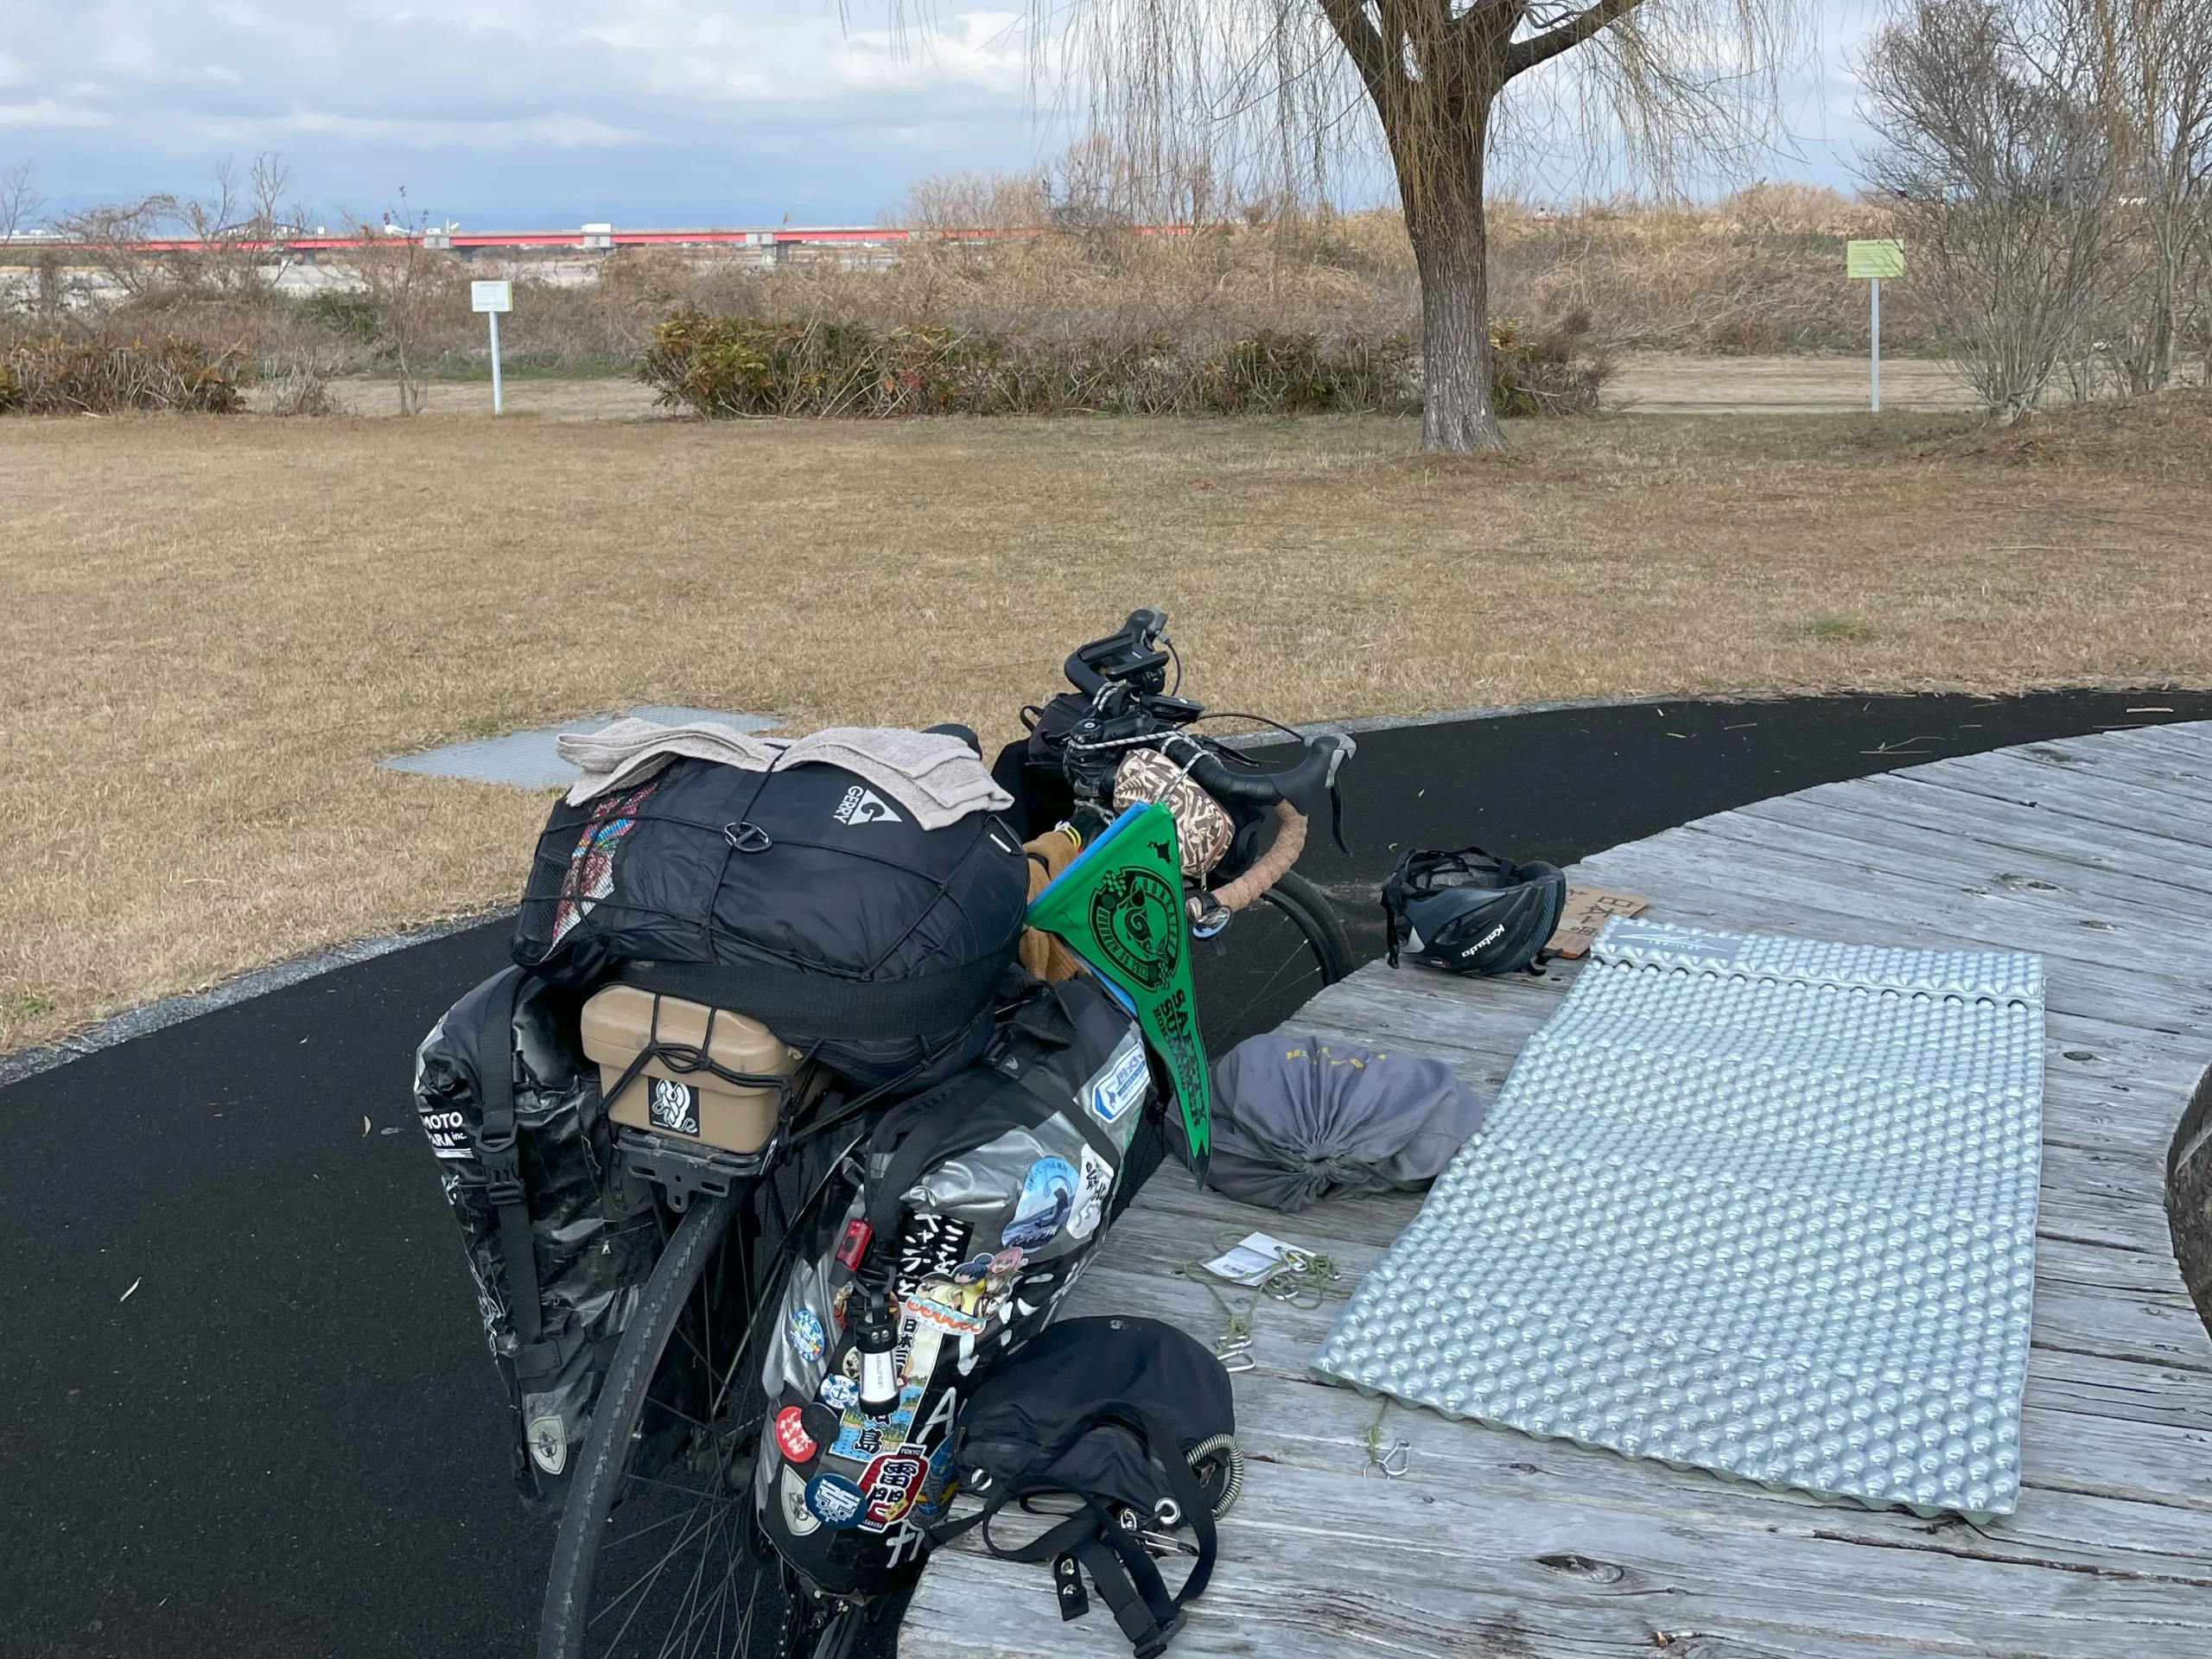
x: 1622, y: 88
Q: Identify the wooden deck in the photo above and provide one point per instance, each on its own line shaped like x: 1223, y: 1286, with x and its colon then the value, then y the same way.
x: 2096, y: 853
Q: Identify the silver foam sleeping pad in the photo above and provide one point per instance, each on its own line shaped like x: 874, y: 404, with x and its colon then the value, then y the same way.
x: 1761, y: 1206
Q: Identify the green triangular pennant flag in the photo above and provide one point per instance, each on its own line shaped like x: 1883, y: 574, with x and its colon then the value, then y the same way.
x: 1120, y: 907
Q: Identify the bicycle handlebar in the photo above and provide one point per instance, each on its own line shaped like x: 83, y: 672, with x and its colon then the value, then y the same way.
x: 1302, y: 786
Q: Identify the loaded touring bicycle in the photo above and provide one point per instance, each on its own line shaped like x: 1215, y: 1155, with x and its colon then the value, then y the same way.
x: 813, y: 1089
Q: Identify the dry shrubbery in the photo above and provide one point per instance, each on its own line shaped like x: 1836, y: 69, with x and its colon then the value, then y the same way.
x: 70, y: 376
x: 1067, y: 307
x: 1760, y: 271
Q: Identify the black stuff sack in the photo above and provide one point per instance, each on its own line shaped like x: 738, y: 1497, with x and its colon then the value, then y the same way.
x: 1133, y: 1422
x: 801, y: 898
x: 977, y: 1205
x: 559, y: 1242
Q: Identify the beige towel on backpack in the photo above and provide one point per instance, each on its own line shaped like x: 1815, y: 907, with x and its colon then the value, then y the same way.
x: 936, y: 778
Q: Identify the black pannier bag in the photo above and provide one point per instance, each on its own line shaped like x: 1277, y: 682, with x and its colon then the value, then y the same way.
x: 800, y: 898
x: 1131, y: 1424
x: 981, y: 1201
x: 560, y: 1243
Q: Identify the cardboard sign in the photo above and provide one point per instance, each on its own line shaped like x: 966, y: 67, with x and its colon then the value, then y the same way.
x: 1883, y: 257
x: 1585, y: 914
x: 491, y: 296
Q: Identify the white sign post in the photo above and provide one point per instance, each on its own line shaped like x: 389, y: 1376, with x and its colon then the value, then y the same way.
x: 492, y: 298
x: 1875, y: 260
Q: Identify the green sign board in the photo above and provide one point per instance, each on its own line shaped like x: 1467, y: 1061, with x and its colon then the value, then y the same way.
x: 1877, y: 258
x: 1120, y: 907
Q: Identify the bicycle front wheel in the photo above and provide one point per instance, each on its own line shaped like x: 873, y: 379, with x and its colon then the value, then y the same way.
x: 656, y: 1553
x: 1263, y: 967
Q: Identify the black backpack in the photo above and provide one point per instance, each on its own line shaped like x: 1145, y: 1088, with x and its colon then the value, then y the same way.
x: 1135, y: 1420
x: 977, y: 1205
x: 801, y: 898
x: 560, y: 1242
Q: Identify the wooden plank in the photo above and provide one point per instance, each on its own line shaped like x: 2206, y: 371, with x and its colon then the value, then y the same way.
x: 1899, y: 811
x: 1425, y: 1546
x: 2088, y: 807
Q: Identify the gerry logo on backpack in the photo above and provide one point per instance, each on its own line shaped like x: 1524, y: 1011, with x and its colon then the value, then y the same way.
x: 865, y: 806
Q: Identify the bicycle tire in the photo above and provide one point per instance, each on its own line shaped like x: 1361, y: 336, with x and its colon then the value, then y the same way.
x: 1324, y: 929
x: 604, y: 1461
x: 1280, y: 951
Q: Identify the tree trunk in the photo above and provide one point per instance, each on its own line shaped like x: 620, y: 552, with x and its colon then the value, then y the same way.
x: 1441, y: 184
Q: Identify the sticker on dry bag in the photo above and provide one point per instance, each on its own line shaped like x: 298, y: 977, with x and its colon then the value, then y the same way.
x: 1097, y: 1186
x: 893, y: 1482
x: 799, y: 1521
x: 1118, y: 1084
x: 1119, y: 907
x: 673, y: 1105
x: 1048, y: 1195
x: 840, y: 1392
x: 835, y: 1501
x: 791, y: 1438
x: 807, y: 1340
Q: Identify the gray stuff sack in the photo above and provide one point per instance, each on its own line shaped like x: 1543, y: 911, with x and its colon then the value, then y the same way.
x: 1297, y: 1118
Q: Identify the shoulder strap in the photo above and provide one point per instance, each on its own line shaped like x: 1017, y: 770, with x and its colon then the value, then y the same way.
x: 1118, y: 1561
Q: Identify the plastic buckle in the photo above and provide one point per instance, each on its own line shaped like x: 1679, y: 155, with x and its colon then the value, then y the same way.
x: 503, y: 1192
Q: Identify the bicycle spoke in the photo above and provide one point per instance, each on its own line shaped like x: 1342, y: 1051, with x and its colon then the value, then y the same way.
x: 642, y: 1588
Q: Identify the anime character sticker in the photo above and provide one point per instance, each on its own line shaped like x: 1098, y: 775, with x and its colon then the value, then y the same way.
x: 1049, y: 1192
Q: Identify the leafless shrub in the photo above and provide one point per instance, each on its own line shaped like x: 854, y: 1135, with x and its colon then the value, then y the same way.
x: 19, y: 204
x: 409, y: 292
x: 2001, y: 173
x: 2149, y: 67
x: 976, y: 201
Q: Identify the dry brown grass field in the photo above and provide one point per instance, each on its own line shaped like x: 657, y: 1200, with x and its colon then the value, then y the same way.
x: 215, y: 627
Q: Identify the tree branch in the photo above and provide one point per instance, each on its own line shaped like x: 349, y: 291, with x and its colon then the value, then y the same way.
x: 1524, y: 55
x: 1363, y: 43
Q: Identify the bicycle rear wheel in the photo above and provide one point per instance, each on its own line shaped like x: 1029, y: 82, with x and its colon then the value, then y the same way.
x: 1277, y: 953
x: 657, y: 1552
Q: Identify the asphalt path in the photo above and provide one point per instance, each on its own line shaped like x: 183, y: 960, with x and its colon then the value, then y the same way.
x: 244, y: 1405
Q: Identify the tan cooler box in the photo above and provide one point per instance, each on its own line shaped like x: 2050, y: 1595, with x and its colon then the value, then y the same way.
x: 622, y: 1019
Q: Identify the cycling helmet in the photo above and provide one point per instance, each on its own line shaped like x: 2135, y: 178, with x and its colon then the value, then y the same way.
x: 1470, y: 912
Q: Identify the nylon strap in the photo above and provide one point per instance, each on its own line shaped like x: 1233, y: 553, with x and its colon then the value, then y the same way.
x: 799, y: 1006
x: 495, y: 1149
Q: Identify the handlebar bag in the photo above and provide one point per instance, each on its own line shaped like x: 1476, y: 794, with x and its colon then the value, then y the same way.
x: 800, y: 898
x: 558, y: 1243
x: 978, y: 1205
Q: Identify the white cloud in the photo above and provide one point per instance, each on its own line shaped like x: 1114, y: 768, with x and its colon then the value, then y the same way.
x: 46, y: 113
x: 729, y: 111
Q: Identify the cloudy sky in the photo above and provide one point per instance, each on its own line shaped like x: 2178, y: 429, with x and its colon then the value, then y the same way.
x: 515, y: 113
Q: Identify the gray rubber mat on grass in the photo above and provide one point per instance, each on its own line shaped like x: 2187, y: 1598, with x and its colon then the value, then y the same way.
x: 1760, y: 1206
